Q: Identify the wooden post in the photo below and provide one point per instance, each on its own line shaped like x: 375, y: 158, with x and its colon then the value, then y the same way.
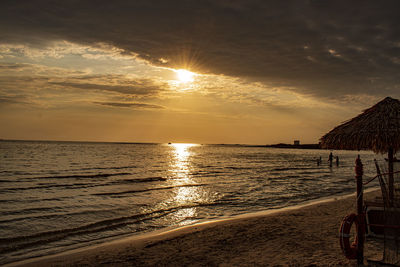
x: 360, y: 212
x: 391, y: 180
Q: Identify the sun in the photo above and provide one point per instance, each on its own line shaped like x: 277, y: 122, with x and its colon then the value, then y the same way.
x: 185, y: 76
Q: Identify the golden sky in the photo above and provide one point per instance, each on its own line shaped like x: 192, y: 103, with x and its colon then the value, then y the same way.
x: 250, y: 72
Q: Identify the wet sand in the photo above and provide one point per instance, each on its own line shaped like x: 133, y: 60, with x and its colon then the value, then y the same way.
x: 305, y: 236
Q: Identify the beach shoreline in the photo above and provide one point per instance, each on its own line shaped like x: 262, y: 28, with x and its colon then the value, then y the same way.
x: 286, y: 236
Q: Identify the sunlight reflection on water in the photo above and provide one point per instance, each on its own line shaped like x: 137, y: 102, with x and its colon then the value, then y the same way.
x: 180, y: 165
x: 180, y: 169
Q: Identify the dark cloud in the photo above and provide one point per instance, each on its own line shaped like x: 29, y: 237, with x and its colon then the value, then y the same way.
x: 130, y: 105
x: 324, y: 48
x: 5, y: 100
x: 138, y: 88
x: 12, y: 66
x: 26, y: 77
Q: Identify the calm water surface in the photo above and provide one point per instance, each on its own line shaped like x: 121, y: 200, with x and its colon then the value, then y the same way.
x: 56, y: 196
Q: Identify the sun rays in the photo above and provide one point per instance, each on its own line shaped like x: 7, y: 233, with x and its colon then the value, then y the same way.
x: 185, y: 76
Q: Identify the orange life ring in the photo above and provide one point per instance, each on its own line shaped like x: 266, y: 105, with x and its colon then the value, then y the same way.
x: 349, y: 250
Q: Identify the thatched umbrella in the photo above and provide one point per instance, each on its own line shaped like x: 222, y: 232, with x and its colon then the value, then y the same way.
x: 376, y: 129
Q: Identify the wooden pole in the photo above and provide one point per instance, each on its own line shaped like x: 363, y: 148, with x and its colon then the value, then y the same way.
x: 391, y: 180
x: 360, y: 211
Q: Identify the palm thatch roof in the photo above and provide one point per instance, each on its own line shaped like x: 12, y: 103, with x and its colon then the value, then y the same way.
x: 377, y: 129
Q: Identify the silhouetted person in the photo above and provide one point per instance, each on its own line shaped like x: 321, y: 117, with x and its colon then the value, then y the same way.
x: 330, y: 159
x: 319, y: 161
x: 337, y: 161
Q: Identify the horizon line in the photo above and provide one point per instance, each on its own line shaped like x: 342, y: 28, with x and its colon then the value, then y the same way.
x: 135, y: 142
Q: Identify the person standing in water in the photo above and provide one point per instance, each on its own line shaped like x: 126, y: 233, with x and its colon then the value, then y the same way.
x: 337, y: 161
x: 330, y: 159
x: 319, y: 161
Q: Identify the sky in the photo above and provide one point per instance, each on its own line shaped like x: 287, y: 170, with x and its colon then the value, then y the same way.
x: 256, y: 71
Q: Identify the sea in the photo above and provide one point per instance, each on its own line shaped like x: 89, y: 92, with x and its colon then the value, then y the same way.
x: 58, y: 196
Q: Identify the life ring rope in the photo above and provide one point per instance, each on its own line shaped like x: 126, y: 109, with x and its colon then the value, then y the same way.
x: 349, y: 250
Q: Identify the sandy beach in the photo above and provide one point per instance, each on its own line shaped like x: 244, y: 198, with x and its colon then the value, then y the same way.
x: 302, y: 236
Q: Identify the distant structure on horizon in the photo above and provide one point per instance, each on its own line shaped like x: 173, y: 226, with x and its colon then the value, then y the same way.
x: 296, y: 144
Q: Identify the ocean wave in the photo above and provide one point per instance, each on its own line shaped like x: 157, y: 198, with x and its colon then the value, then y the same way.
x: 24, y: 241
x: 293, y: 168
x: 206, y: 175
x: 64, y: 186
x: 145, y: 190
x: 31, y: 200
x: 83, y: 185
x: 80, y: 176
x: 140, y: 180
x: 239, y: 168
x: 31, y: 210
x: 107, y: 168
x: 70, y: 176
x: 51, y: 215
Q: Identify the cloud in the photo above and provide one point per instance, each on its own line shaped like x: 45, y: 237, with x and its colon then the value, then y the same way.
x: 322, y: 48
x: 135, y: 87
x: 44, y: 87
x: 130, y: 105
x: 26, y: 77
x: 12, y: 67
x: 60, y: 49
x: 12, y: 100
x: 20, y: 69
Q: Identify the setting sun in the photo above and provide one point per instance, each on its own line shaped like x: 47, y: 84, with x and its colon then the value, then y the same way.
x: 185, y: 75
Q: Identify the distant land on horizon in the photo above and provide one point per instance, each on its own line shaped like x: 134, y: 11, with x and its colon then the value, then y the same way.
x: 300, y: 146
x: 279, y: 145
